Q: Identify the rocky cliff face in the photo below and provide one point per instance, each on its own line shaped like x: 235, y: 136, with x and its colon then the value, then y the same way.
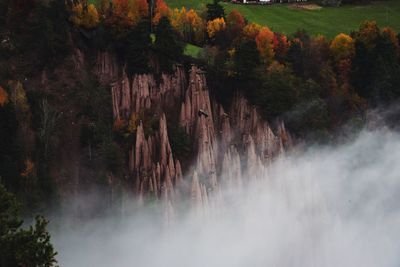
x: 227, y: 144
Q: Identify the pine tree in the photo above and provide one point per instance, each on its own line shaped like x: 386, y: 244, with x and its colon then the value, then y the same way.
x: 168, y: 46
x: 215, y: 11
x: 22, y: 247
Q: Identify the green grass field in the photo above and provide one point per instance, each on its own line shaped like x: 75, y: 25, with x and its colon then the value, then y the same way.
x: 192, y: 50
x: 326, y: 21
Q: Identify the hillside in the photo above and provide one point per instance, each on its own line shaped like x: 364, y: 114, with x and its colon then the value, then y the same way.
x: 130, y: 109
x: 326, y: 21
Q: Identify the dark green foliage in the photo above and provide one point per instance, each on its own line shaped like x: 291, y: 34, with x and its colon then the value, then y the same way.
x: 113, y: 158
x: 308, y: 116
x: 277, y: 94
x: 246, y: 59
x: 150, y: 124
x: 22, y: 247
x: 180, y: 142
x: 295, y: 57
x: 9, y: 149
x: 215, y: 10
x: 96, y: 110
x: 137, y: 51
x: 168, y: 46
x: 362, y: 70
x: 376, y: 71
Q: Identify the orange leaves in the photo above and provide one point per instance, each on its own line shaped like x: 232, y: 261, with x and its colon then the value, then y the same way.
x: 3, y: 97
x: 280, y: 45
x: 128, y: 13
x: 214, y: 26
x: 342, y: 47
x: 264, y: 41
x: 142, y: 7
x: 195, y: 20
x: 161, y: 10
x: 29, y: 168
x: 120, y: 7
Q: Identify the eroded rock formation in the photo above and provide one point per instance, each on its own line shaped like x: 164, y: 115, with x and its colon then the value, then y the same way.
x: 227, y: 144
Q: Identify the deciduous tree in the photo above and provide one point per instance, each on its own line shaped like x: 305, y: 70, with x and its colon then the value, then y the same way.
x: 264, y: 41
x: 342, y: 47
x: 214, y: 26
x: 161, y: 9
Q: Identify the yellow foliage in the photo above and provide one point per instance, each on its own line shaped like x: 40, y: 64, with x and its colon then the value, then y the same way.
x: 251, y: 30
x: 188, y: 23
x: 91, y: 18
x: 178, y: 18
x: 3, y: 97
x: 86, y: 18
x: 29, y: 168
x: 214, y: 26
x: 132, y: 123
x: 342, y: 47
x: 18, y: 97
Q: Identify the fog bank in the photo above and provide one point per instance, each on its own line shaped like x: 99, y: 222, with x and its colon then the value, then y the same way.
x: 327, y: 206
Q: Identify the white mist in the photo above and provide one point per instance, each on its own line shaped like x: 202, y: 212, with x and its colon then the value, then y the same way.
x: 330, y: 206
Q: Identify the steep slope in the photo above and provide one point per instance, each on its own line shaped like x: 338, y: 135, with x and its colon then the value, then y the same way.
x: 231, y: 141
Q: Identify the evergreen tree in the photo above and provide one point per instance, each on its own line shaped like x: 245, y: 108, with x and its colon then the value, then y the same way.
x: 138, y: 44
x: 215, y: 11
x: 168, y: 45
x: 246, y: 59
x: 362, y: 70
x: 22, y: 247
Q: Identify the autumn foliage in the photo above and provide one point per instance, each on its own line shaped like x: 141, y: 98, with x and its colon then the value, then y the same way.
x: 214, y: 26
x: 251, y: 30
x: 264, y: 41
x: 161, y: 10
x: 342, y: 47
x: 236, y: 20
x: 85, y: 17
x: 189, y: 24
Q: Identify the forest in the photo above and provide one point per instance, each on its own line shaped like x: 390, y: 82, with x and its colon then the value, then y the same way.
x: 51, y: 100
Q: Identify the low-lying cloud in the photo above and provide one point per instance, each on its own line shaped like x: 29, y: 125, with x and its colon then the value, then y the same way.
x: 328, y: 206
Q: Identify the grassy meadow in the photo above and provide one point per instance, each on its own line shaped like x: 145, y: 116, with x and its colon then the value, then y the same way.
x: 328, y: 21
